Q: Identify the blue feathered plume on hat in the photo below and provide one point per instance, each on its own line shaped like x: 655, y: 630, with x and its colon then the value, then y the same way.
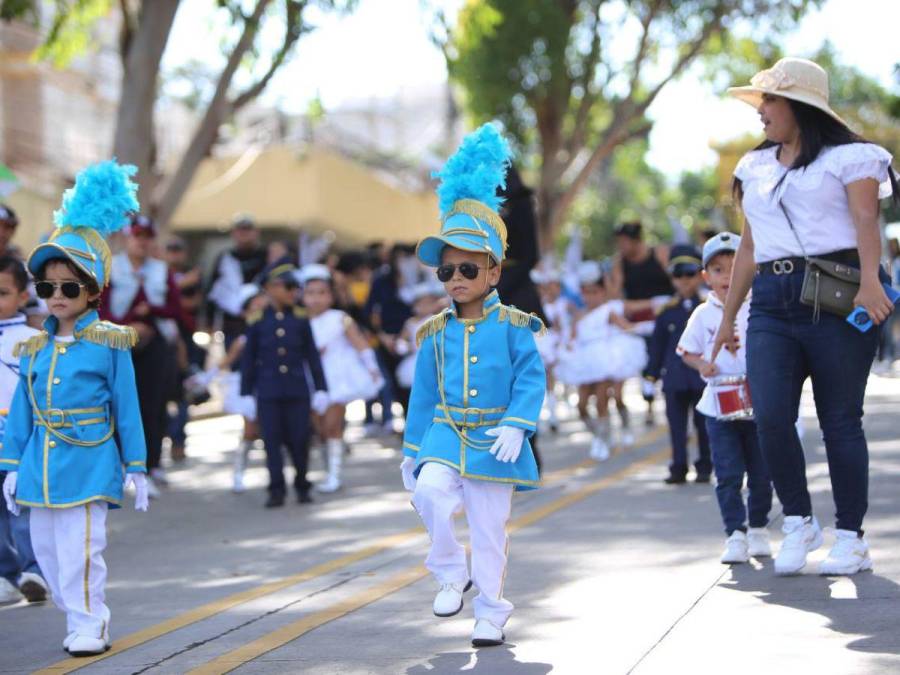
x: 476, y: 171
x: 102, y: 198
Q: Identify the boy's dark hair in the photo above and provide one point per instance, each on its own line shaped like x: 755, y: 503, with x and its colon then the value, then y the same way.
x: 89, y: 282
x: 14, y: 267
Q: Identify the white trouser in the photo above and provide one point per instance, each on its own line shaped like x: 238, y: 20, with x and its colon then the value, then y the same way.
x: 68, y: 545
x: 440, y: 494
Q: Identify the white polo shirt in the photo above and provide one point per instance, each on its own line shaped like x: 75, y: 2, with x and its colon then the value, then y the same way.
x: 699, y: 336
x: 815, y: 197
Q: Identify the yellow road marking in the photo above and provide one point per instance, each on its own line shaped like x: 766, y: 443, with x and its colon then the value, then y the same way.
x: 223, y: 604
x: 278, y: 638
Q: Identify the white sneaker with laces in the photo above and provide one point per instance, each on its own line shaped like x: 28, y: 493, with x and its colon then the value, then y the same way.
x: 83, y: 645
x: 849, y: 555
x: 735, y: 551
x: 449, y: 600
x: 8, y: 592
x: 487, y: 634
x: 802, y: 535
x: 599, y: 450
x: 33, y: 587
x: 758, y: 543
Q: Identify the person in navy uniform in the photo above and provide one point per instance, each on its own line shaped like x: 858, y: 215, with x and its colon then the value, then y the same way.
x: 279, y: 343
x: 682, y: 385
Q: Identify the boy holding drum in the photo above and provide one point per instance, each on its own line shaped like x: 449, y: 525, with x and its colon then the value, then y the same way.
x: 729, y: 413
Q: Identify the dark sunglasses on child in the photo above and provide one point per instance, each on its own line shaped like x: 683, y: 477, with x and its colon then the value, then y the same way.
x: 70, y: 289
x: 685, y: 274
x: 467, y: 269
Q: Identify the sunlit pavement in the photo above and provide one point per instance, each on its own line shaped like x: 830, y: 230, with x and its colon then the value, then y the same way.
x: 610, y: 572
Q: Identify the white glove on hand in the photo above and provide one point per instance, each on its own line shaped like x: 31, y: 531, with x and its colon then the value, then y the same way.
x: 508, y: 444
x: 320, y: 402
x: 141, y: 498
x: 9, y: 492
x: 407, y: 467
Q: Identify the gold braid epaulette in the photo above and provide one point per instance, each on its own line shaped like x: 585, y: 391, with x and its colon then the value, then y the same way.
x: 109, y: 334
x: 301, y: 313
x: 31, y: 346
x: 521, y: 319
x: 434, y: 325
x: 254, y: 316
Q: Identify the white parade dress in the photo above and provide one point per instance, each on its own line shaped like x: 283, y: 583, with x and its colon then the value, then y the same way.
x: 347, y: 377
x: 601, y: 350
x: 407, y: 369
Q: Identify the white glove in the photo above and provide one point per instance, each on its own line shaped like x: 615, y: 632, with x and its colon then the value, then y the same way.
x: 407, y: 467
x: 508, y: 444
x: 141, y: 498
x: 320, y: 402
x: 9, y: 492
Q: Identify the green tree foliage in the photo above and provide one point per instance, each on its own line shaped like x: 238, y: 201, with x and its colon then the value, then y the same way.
x: 572, y: 79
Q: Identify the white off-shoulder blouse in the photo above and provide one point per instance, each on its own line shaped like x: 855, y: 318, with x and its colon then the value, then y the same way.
x: 814, y: 196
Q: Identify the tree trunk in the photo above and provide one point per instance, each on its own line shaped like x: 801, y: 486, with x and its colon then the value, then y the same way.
x: 134, y: 141
x: 169, y: 195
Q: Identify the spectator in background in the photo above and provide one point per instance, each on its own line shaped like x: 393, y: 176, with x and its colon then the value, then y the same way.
x: 239, y: 265
x: 887, y: 346
x: 142, y: 293
x: 9, y: 221
x: 191, y: 356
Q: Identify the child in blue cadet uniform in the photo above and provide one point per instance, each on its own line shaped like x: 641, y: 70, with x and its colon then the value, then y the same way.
x: 477, y: 393
x: 682, y: 385
x: 74, y: 430
x: 734, y: 444
x: 279, y: 345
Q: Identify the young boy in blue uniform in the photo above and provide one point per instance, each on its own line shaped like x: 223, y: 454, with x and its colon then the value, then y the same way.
x: 74, y: 430
x: 682, y: 385
x: 279, y: 342
x: 477, y: 393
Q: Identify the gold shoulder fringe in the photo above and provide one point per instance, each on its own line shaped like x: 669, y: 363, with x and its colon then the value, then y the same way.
x: 110, y: 335
x: 521, y: 319
x: 668, y: 305
x: 254, y: 316
x: 300, y: 312
x: 434, y: 325
x: 31, y: 346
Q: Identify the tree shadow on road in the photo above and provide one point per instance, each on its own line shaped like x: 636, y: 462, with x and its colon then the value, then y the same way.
x: 873, y: 615
x: 493, y: 661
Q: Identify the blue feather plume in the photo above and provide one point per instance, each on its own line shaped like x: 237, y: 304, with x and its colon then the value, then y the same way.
x: 476, y: 171
x: 102, y: 198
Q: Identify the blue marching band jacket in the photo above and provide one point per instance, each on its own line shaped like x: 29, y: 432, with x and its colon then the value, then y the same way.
x: 472, y: 375
x: 74, y: 421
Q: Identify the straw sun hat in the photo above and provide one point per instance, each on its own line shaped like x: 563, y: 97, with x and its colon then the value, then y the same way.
x: 796, y: 79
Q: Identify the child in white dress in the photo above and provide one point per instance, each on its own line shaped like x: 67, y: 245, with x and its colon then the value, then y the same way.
x: 428, y: 298
x: 600, y: 357
x: 558, y: 310
x: 348, y: 360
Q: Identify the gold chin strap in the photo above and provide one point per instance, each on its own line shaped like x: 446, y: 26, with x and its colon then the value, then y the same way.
x: 58, y: 434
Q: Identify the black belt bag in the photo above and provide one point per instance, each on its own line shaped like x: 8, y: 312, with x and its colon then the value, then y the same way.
x: 827, y: 284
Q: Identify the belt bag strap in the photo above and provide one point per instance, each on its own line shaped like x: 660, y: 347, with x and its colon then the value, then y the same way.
x: 827, y: 285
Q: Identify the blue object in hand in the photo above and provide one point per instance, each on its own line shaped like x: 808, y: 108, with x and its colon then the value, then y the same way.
x: 859, y: 318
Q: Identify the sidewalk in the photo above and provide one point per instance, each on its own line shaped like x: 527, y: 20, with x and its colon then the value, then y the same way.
x: 610, y: 571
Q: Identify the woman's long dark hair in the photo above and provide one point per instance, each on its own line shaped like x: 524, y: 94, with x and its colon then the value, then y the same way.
x: 818, y: 130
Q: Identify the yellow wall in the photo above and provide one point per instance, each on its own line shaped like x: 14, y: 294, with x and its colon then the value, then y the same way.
x: 35, y: 212
x: 318, y: 191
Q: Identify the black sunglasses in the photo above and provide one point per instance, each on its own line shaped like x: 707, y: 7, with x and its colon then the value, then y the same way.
x: 467, y: 269
x: 70, y: 289
x: 682, y: 275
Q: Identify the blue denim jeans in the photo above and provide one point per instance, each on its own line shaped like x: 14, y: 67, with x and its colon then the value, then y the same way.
x: 784, y: 347
x: 735, y: 454
x: 16, y: 554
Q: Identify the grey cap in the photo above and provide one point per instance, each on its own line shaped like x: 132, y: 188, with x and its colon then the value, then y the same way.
x: 722, y: 243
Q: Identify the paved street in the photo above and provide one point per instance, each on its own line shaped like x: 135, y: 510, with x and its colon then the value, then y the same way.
x: 610, y: 571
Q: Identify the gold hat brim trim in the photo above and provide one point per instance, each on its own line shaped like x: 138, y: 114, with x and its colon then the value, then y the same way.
x: 476, y: 209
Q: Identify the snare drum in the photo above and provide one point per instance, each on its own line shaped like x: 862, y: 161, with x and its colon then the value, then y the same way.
x: 732, y: 398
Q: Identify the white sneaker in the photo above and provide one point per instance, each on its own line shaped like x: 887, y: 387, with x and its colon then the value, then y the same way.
x: 449, y: 600
x: 802, y: 535
x: 8, y: 592
x: 627, y: 438
x: 599, y: 450
x: 735, y: 551
x: 487, y: 634
x: 758, y: 543
x: 69, y: 639
x: 82, y: 645
x: 849, y: 555
x: 33, y: 587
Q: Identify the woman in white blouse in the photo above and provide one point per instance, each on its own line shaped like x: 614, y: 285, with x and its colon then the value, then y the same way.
x: 811, y: 189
